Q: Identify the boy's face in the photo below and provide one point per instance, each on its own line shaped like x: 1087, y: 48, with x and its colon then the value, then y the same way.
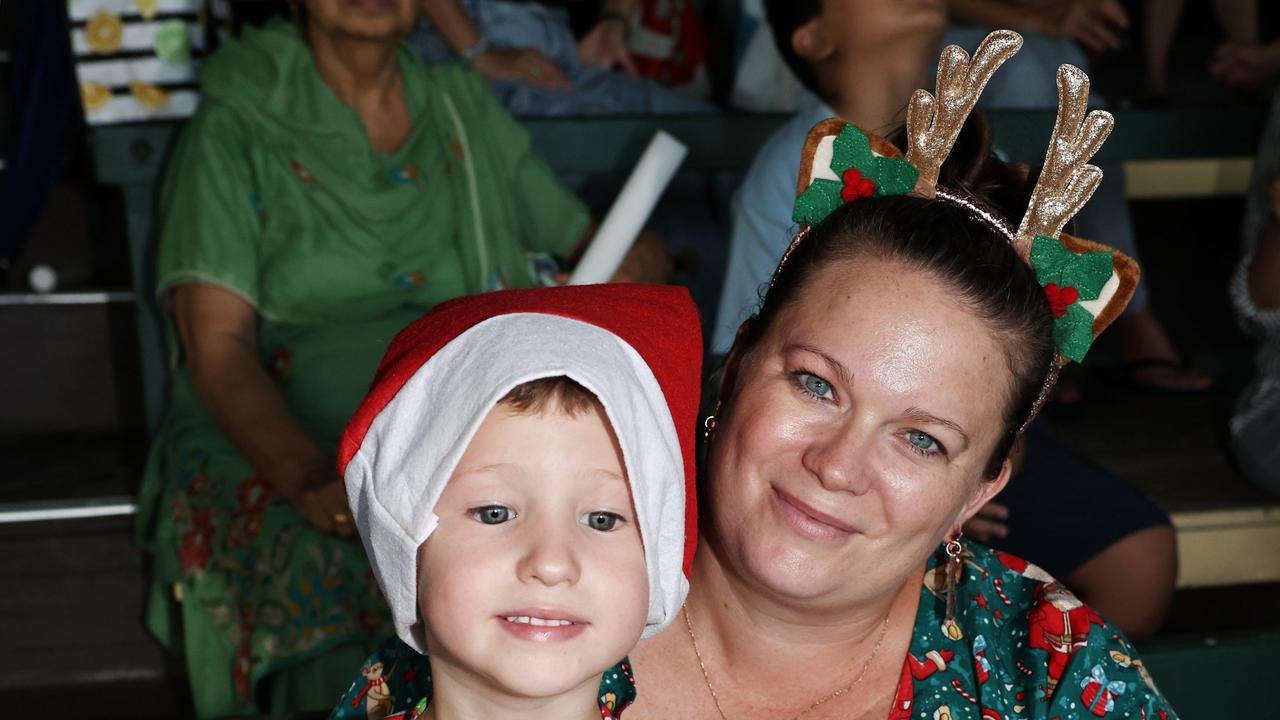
x: 535, y: 581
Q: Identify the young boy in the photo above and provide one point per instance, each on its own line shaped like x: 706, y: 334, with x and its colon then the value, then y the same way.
x: 521, y: 474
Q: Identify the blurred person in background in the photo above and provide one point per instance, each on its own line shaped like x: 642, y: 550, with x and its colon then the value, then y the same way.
x: 330, y: 189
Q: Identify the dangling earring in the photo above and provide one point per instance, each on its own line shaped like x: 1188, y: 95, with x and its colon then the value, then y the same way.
x: 709, y: 428
x: 953, y: 549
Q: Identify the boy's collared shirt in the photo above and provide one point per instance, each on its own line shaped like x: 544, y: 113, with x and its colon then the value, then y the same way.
x: 395, y: 684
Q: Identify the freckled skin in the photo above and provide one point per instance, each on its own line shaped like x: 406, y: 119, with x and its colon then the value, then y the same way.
x: 907, y: 345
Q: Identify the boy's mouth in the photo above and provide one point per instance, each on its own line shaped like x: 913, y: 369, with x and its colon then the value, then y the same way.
x: 540, y: 622
x: 542, y: 625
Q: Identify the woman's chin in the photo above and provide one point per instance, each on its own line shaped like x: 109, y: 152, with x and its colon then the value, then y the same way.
x: 791, y: 571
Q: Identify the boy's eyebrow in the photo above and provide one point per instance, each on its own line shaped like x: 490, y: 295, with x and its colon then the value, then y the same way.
x: 483, y: 468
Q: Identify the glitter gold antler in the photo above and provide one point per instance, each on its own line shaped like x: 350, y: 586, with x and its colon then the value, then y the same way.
x: 933, y: 124
x: 1067, y: 181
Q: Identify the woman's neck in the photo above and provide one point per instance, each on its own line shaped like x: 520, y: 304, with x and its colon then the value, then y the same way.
x: 873, y: 92
x: 733, y: 619
x: 360, y: 72
x: 458, y: 694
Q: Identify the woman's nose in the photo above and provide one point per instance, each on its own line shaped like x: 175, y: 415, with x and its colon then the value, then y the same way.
x: 839, y: 458
x: 550, y: 557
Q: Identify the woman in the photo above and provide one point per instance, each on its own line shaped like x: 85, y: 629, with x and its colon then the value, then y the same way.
x: 869, y: 410
x: 864, y: 59
x: 329, y: 190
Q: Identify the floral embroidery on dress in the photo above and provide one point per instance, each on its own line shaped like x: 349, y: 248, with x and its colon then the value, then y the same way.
x: 307, y: 178
x: 409, y: 280
x: 280, y: 365
x: 405, y: 174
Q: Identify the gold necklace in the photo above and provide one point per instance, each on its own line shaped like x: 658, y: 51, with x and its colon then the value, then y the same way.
x: 884, y: 627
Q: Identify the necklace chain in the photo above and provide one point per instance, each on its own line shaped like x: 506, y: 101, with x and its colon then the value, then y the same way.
x: 884, y: 627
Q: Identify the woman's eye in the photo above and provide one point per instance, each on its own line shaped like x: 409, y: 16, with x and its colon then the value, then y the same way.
x: 493, y: 514
x: 814, y: 385
x: 923, y: 443
x: 601, y: 520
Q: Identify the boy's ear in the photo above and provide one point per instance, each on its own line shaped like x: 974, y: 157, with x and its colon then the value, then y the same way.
x: 812, y: 42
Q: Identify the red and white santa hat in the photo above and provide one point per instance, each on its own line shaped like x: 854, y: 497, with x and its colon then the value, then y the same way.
x: 637, y: 347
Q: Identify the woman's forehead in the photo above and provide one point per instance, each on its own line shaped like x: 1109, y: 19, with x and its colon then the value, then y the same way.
x: 898, y: 330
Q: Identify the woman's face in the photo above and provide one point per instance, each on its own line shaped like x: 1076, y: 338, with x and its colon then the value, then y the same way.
x: 857, y: 435
x: 388, y: 20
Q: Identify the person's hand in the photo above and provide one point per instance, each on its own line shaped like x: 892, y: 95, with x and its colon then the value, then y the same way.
x: 988, y: 523
x: 321, y: 497
x: 527, y: 66
x: 647, y: 262
x: 605, y: 46
x: 1245, y: 65
x: 1096, y: 24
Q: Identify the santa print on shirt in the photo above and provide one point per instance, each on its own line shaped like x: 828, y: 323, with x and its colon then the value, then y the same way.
x: 1028, y: 650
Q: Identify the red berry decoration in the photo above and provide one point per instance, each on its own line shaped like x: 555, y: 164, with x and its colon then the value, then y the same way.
x: 856, y: 186
x: 1060, y: 298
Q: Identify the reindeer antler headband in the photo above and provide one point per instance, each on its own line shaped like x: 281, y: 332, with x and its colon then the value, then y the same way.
x: 1087, y: 284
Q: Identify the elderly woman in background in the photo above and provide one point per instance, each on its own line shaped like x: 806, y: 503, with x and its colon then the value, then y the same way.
x: 329, y: 190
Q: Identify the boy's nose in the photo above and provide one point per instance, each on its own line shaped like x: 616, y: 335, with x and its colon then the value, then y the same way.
x: 550, y: 559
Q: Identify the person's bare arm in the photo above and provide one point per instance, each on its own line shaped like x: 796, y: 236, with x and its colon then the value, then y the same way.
x: 1096, y: 24
x: 646, y: 262
x: 523, y: 65
x: 218, y: 332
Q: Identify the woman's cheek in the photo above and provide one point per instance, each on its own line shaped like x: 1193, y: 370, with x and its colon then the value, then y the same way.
x: 914, y: 500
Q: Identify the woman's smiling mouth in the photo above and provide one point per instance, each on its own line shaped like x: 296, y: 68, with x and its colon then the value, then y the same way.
x: 809, y: 522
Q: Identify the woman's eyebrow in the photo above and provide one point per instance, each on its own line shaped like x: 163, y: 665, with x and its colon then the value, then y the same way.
x: 836, y: 367
x: 917, y: 415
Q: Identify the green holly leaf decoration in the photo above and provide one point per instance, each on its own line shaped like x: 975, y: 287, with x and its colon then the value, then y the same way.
x: 1073, y: 333
x: 1080, y: 277
x: 852, y: 149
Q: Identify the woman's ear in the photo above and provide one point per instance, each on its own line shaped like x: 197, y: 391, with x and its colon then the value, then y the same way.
x: 812, y: 42
x: 986, y: 492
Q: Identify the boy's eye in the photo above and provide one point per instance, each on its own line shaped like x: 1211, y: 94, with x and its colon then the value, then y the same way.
x: 601, y: 520
x: 493, y: 514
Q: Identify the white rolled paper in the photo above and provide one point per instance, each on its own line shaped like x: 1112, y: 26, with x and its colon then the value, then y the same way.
x: 630, y: 211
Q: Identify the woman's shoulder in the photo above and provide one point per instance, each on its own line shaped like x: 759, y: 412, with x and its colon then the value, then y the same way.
x: 1024, y: 640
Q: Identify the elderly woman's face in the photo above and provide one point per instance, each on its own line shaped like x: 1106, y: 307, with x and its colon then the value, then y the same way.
x: 388, y: 20
x: 857, y: 434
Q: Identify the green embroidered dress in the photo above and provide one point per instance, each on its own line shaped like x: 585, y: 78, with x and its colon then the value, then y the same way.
x: 1021, y: 648
x: 275, y: 194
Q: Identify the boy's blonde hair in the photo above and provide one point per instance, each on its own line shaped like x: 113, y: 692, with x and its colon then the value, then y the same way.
x: 537, y: 396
